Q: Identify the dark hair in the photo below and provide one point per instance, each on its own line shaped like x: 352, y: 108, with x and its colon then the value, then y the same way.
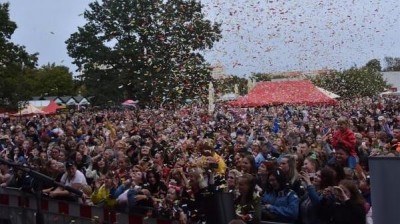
x: 328, y: 177
x: 251, y: 159
x: 251, y: 182
x: 355, y: 195
x: 280, y: 178
x: 70, y: 163
x: 155, y: 173
x: 342, y: 147
x: 340, y: 174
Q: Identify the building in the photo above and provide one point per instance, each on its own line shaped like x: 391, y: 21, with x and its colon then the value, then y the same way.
x: 218, y: 71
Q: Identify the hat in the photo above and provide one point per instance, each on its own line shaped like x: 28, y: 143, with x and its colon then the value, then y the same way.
x: 380, y: 118
x: 69, y: 164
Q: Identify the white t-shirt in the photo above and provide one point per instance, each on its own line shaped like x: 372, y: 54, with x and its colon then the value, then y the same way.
x: 78, y: 178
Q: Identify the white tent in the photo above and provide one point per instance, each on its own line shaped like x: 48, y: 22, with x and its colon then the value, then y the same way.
x: 328, y: 93
x: 29, y: 110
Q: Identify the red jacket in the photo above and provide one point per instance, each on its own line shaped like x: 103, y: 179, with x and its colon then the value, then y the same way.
x: 347, y: 138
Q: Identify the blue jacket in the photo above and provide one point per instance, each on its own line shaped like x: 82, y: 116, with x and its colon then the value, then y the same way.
x: 284, y: 205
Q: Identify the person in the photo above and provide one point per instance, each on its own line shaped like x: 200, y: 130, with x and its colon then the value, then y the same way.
x: 232, y: 182
x: 154, y: 184
x: 342, y: 157
x: 262, y: 174
x: 287, y: 164
x: 71, y: 178
x: 170, y: 207
x: 210, y: 158
x: 248, y: 164
x: 344, y: 137
x: 279, y: 203
x: 311, y: 201
x: 247, y: 205
x: 5, y: 174
x: 104, y: 190
x: 348, y: 206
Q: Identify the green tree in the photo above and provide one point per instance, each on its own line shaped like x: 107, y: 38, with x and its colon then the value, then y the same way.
x: 261, y: 76
x: 227, y: 85
x: 15, y: 63
x: 392, y: 64
x: 374, y: 64
x: 144, y: 49
x: 353, y: 82
x: 52, y: 80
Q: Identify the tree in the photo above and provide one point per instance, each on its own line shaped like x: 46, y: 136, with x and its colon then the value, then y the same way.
x: 15, y: 63
x: 227, y: 85
x: 374, y: 64
x: 144, y: 49
x: 392, y: 64
x: 52, y: 80
x: 261, y: 76
x: 353, y: 82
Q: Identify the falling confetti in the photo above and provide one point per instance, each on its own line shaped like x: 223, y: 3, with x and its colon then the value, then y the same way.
x: 270, y: 36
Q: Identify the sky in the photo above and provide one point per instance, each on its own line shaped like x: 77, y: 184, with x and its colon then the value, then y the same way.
x: 258, y: 35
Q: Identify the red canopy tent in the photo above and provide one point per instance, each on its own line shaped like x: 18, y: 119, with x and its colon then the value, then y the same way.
x: 301, y: 92
x: 51, y: 108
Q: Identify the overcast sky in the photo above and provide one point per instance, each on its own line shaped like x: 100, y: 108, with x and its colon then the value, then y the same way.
x: 258, y: 35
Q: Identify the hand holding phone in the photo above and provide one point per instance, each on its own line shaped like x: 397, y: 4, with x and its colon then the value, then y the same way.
x: 340, y: 193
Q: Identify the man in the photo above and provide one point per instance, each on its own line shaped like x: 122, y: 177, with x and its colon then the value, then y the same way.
x: 71, y: 178
x: 344, y: 137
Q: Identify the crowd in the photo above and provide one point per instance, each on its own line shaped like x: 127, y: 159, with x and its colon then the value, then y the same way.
x: 292, y: 164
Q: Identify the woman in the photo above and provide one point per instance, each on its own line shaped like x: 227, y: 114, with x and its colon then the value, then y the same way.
x: 348, y: 207
x: 99, y: 168
x: 281, y: 146
x: 310, y: 204
x: 131, y: 194
x: 232, y: 182
x: 170, y: 207
x: 310, y: 165
x: 287, y: 164
x: 248, y: 164
x: 156, y: 187
x: 247, y: 205
x: 104, y: 191
x: 262, y: 174
x: 279, y: 203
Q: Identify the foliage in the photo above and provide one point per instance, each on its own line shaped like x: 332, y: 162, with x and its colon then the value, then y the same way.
x: 227, y: 85
x: 52, y: 80
x: 15, y: 64
x: 144, y: 49
x: 261, y: 76
x: 374, y: 64
x: 354, y: 82
x: 392, y: 64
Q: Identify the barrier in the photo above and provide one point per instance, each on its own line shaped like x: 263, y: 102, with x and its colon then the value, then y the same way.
x: 17, y: 207
x: 385, y: 182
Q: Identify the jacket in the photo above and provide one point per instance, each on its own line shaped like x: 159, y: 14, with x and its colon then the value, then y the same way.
x: 284, y: 205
